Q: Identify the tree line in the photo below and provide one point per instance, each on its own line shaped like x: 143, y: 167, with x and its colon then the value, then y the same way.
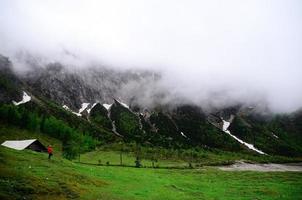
x: 73, y: 140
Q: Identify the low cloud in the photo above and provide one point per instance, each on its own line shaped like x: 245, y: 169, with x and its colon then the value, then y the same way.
x: 211, y: 53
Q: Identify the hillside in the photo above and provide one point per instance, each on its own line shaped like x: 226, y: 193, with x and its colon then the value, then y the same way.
x: 88, y: 102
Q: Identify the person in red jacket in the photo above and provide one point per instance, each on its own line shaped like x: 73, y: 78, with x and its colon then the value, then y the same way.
x: 49, y: 150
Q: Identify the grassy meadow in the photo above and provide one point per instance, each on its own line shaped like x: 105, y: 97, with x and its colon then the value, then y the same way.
x: 169, y: 158
x: 30, y: 175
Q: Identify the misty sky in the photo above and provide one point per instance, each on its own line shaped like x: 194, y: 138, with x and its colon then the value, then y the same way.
x: 219, y: 51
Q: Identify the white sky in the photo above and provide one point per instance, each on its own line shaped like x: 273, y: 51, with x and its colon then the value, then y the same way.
x: 242, y: 50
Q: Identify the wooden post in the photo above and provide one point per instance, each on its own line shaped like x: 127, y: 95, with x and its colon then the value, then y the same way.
x: 153, y: 157
x: 121, y: 153
x: 121, y: 158
x: 79, y: 153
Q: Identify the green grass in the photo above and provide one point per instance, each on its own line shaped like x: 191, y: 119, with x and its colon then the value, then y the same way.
x: 29, y: 174
x: 170, y: 158
x: 128, y: 159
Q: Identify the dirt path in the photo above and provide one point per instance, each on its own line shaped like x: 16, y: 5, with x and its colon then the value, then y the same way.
x: 242, y: 166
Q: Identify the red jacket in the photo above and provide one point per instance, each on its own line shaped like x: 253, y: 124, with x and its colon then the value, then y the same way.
x: 49, y: 150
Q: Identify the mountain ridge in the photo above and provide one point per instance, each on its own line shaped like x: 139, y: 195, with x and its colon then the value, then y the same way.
x: 171, y: 126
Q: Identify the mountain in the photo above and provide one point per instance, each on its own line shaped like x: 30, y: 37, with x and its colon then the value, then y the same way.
x: 97, y: 104
x: 10, y: 85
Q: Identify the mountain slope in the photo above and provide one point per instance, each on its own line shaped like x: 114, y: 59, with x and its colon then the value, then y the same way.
x: 87, y: 102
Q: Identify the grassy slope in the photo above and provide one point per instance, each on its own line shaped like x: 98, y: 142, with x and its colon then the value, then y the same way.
x: 29, y: 174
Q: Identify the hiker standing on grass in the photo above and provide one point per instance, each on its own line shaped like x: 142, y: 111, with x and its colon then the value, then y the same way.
x: 49, y: 150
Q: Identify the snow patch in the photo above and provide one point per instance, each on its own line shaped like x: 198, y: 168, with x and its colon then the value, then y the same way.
x: 114, y: 129
x: 88, y: 110
x: 84, y: 106
x: 183, y: 134
x: 107, y: 106
x: 26, y: 98
x: 68, y: 109
x: 225, y: 127
x: 275, y: 135
x: 77, y: 114
x: 123, y: 104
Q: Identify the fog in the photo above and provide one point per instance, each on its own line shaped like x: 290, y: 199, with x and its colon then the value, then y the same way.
x: 208, y: 52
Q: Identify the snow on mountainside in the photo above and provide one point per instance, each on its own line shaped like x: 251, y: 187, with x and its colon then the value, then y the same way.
x: 123, y: 104
x: 68, y: 109
x: 84, y: 106
x: 107, y: 106
x: 183, y: 134
x: 169, y: 125
x: 26, y: 98
x: 275, y: 135
x: 90, y: 108
x: 225, y: 127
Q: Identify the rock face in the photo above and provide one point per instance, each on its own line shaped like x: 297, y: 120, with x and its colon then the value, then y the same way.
x: 102, y: 90
x: 72, y: 88
x: 10, y: 85
x: 61, y: 86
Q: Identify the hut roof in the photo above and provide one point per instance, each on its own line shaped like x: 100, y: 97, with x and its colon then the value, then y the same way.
x: 18, y: 144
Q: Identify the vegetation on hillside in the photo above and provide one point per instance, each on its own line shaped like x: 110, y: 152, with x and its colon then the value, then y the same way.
x: 127, y: 123
x: 99, y: 115
x: 272, y: 136
x: 73, y: 140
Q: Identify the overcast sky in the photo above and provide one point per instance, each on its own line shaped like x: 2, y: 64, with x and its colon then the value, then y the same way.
x: 236, y: 50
